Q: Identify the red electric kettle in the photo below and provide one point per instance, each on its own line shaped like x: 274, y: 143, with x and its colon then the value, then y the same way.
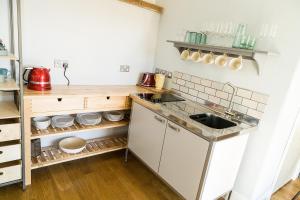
x: 38, y: 78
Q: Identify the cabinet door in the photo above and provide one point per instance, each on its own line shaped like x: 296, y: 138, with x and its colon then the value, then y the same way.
x: 146, y: 135
x: 182, y: 160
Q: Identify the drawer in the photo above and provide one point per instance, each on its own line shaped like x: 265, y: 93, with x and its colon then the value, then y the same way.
x: 105, y: 102
x: 12, y: 173
x: 57, y: 104
x: 9, y: 130
x: 10, y: 153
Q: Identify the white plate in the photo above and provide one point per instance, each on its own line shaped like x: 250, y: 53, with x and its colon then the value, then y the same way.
x: 114, y: 116
x: 89, y: 118
x: 63, y: 121
x: 72, y: 145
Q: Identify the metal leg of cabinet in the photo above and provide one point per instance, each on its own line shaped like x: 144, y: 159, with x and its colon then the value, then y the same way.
x: 126, y: 155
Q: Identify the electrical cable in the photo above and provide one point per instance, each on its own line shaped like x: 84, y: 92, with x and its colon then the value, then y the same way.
x: 65, y: 66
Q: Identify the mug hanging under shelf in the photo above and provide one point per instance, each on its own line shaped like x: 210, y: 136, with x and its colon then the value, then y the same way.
x: 217, y: 50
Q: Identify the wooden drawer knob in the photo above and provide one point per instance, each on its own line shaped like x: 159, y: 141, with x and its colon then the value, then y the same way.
x: 0, y: 130
x: 1, y: 173
x: 1, y: 152
x: 59, y: 99
x: 108, y: 98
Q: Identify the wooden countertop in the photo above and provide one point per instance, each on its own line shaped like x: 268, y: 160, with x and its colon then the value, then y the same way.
x: 89, y: 90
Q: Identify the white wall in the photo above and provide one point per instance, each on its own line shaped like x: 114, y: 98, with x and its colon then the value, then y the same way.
x: 96, y: 37
x: 265, y: 146
x: 289, y: 169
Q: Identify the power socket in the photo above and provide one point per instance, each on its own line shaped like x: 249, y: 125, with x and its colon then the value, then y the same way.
x: 58, y: 63
x: 124, y: 68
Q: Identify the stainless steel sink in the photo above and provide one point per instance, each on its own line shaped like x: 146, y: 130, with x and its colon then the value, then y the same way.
x: 212, y: 121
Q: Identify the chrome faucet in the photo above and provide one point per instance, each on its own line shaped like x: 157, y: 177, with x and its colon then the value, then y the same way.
x: 229, y: 109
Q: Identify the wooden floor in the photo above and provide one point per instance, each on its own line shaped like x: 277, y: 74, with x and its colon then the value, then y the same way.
x: 288, y: 191
x: 104, y: 177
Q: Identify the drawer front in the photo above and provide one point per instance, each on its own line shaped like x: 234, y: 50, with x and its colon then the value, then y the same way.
x: 57, y: 104
x: 9, y: 174
x: 103, y: 102
x: 10, y: 132
x: 10, y: 153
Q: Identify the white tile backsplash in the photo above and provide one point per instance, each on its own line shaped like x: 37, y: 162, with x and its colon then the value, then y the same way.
x: 186, y: 77
x: 196, y: 79
x: 199, y: 89
x: 260, y: 97
x: 222, y: 95
x: 210, y: 91
x: 244, y: 93
x: 189, y: 84
x: 206, y: 83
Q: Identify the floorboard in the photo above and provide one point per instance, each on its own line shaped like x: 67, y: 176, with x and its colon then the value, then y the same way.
x: 288, y: 191
x: 104, y: 177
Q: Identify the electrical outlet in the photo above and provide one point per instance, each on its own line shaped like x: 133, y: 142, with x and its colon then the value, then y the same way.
x: 124, y: 68
x: 58, y: 63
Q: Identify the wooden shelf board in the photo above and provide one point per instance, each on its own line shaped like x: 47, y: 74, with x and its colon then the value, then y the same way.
x: 76, y: 128
x: 9, y: 85
x: 8, y: 109
x: 145, y: 4
x: 8, y: 57
x: 53, y: 155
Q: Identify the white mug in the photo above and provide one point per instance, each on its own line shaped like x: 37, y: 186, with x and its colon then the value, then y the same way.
x: 185, y: 54
x: 208, y: 58
x: 196, y: 56
x: 221, y: 60
x: 236, y: 63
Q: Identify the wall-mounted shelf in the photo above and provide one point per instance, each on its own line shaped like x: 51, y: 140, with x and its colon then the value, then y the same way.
x: 218, y: 50
x: 146, y: 5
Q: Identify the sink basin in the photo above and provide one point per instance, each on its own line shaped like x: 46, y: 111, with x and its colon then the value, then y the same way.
x: 212, y: 121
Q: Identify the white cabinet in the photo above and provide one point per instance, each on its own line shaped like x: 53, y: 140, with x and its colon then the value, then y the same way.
x: 182, y: 161
x: 146, y: 135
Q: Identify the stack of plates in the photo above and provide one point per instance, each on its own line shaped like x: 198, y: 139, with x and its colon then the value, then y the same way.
x: 114, y: 116
x: 63, y: 121
x: 89, y: 118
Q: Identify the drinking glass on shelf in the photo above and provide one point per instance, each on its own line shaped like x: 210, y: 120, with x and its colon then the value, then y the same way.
x: 193, y: 37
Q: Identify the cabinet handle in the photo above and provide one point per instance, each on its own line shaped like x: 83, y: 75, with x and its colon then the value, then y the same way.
x: 1, y: 173
x: 59, y: 99
x: 1, y: 152
x: 108, y: 98
x: 159, y: 119
x: 173, y: 128
x: 0, y: 130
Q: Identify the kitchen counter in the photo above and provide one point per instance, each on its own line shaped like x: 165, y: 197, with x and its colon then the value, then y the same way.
x: 179, y: 112
x: 87, y: 90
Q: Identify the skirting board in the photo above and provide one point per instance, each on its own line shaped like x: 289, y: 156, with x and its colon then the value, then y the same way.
x: 238, y: 196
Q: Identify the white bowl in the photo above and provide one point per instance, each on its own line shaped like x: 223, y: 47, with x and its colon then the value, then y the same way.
x: 114, y: 116
x: 72, y: 145
x: 42, y: 123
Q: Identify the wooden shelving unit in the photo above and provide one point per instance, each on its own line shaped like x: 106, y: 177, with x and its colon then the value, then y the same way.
x: 9, y: 85
x: 76, y: 128
x: 9, y: 57
x: 145, y: 4
x: 53, y: 155
x: 8, y: 110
